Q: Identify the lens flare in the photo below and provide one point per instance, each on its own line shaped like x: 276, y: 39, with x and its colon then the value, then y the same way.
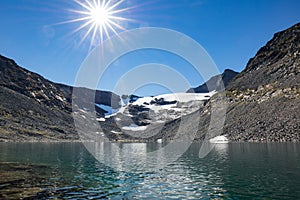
x: 100, y: 18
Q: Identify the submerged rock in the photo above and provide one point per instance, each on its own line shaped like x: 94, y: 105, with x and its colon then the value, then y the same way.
x: 22, y: 181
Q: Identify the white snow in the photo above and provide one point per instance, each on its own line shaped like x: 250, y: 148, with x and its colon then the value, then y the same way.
x: 219, y: 139
x: 108, y: 109
x: 99, y: 133
x: 180, y: 97
x: 115, y: 132
x: 121, y: 110
x: 101, y: 119
x: 134, y: 127
x: 186, y: 103
x: 189, y: 102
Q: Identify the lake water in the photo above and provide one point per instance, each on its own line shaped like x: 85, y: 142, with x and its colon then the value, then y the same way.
x: 230, y: 171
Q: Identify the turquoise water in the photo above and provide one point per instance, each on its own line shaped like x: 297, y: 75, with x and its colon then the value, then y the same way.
x: 230, y: 171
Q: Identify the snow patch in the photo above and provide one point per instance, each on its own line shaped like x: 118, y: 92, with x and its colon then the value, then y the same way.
x: 108, y: 109
x: 180, y: 97
x: 162, y: 108
x: 101, y: 119
x: 183, y: 98
x: 134, y: 127
x: 219, y: 140
x: 120, y: 110
x: 115, y: 132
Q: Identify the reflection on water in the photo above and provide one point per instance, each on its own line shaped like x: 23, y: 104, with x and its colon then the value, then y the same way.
x: 137, y: 156
x: 236, y: 171
x: 222, y: 149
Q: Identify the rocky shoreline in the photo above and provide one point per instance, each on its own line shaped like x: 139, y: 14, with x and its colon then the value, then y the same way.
x: 23, y: 181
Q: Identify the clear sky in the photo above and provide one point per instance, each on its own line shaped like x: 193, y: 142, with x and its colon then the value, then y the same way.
x: 230, y: 30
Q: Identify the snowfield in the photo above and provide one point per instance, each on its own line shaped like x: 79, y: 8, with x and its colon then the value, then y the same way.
x: 146, y: 111
x: 186, y: 100
x: 134, y: 127
x: 181, y: 97
x: 221, y: 139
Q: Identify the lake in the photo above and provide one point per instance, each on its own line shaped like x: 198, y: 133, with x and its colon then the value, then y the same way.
x: 230, y: 171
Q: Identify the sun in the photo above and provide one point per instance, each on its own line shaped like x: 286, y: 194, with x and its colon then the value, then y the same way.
x: 100, y: 18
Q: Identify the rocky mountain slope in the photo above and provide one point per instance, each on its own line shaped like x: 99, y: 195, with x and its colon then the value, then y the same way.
x: 263, y: 104
x: 215, y: 83
x: 33, y: 107
x: 264, y: 99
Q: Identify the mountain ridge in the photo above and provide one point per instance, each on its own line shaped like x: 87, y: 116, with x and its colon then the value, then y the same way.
x: 264, y: 99
x: 34, y: 108
x: 215, y: 83
x: 262, y: 102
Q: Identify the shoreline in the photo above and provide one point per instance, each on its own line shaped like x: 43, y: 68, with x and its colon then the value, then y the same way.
x: 137, y: 142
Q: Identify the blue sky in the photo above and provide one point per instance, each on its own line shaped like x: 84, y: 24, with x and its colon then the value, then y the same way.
x: 230, y: 31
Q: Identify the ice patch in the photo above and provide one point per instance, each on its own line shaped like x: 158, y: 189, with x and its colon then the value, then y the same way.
x: 167, y: 106
x: 134, y: 127
x: 108, y: 109
x: 101, y: 119
x: 180, y: 97
x: 183, y: 98
x: 219, y: 139
x: 115, y: 132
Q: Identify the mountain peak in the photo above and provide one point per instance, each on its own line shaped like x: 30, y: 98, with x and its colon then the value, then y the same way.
x: 278, y: 61
x: 215, y: 83
x: 283, y: 43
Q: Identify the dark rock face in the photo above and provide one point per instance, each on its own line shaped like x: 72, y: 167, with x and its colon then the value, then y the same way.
x: 278, y: 62
x: 33, y: 85
x: 140, y: 114
x: 264, y: 99
x: 34, y: 108
x: 215, y: 83
x: 23, y: 181
x: 162, y: 102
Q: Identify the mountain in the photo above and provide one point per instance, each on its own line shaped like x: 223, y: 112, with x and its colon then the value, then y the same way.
x: 263, y: 104
x: 264, y: 99
x: 276, y: 62
x: 215, y: 83
x: 33, y: 107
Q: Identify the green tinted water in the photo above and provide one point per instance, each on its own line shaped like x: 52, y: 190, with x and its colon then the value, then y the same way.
x: 230, y: 171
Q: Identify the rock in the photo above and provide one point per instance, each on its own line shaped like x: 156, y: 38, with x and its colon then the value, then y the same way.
x: 265, y: 96
x: 34, y: 108
x: 217, y: 83
x: 23, y: 181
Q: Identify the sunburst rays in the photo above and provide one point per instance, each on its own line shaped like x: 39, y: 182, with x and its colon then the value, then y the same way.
x: 99, y: 18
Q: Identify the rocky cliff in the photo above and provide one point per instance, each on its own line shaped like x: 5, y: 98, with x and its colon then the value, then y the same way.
x: 264, y: 99
x: 34, y: 108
